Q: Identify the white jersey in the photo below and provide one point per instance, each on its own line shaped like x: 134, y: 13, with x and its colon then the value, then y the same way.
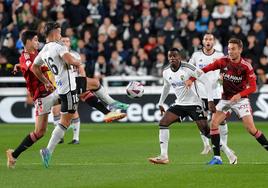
x: 176, y: 80
x: 52, y: 54
x: 200, y: 60
x: 77, y: 57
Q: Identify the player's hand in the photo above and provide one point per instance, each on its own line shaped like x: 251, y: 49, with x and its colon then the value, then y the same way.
x: 162, y: 110
x: 211, y: 106
x: 49, y: 87
x: 16, y: 69
x: 235, y: 98
x: 188, y: 83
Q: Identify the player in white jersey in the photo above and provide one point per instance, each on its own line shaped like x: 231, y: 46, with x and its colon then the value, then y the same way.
x: 59, y: 60
x: 187, y: 103
x: 201, y: 59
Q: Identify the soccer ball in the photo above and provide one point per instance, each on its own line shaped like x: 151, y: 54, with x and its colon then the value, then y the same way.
x: 135, y: 89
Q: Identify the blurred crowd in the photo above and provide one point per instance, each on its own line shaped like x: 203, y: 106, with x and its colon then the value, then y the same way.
x: 131, y: 37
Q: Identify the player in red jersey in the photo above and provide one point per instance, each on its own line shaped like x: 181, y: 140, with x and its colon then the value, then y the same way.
x: 43, y: 99
x: 239, y: 81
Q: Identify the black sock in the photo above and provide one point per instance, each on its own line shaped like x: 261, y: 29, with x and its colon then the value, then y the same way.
x: 215, y: 140
x: 263, y: 141
x: 94, y: 102
x: 25, y: 144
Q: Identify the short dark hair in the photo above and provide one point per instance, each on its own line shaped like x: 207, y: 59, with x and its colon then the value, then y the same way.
x: 208, y: 33
x: 236, y: 41
x: 50, y: 26
x: 181, y: 53
x: 27, y: 35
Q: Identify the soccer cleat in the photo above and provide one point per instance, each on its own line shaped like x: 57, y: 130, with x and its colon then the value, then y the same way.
x: 11, y: 161
x: 206, y: 150
x: 74, y: 142
x: 215, y: 161
x: 159, y: 160
x: 112, y: 116
x: 119, y: 105
x: 46, y: 156
x: 232, y: 158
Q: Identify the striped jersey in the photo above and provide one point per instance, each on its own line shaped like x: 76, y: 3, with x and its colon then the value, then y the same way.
x: 200, y: 60
x: 52, y: 54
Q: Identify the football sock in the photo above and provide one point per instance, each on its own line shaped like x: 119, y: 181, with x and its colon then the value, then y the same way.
x: 224, y: 133
x: 163, y: 139
x: 56, y: 120
x: 57, y: 134
x: 94, y: 102
x: 102, y: 94
x: 261, y: 139
x: 226, y: 149
x: 205, y: 140
x: 76, y: 128
x: 25, y: 144
x: 215, y: 140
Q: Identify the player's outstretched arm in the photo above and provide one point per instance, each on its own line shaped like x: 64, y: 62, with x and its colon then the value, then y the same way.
x: 164, y: 94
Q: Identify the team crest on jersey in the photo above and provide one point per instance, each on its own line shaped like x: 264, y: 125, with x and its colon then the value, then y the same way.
x: 182, y: 77
x: 26, y: 56
x: 170, y: 78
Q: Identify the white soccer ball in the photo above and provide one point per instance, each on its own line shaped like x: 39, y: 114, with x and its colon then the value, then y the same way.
x: 134, y: 89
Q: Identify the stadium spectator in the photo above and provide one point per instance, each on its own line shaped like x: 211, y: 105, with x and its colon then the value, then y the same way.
x: 202, y: 23
x: 76, y: 13
x: 262, y: 70
x: 158, y: 65
x: 101, y: 69
x: 265, y: 49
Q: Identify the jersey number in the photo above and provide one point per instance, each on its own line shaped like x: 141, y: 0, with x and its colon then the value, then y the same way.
x: 52, y: 66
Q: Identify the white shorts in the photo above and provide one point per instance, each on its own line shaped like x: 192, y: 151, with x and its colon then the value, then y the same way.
x: 44, y: 105
x: 241, y: 108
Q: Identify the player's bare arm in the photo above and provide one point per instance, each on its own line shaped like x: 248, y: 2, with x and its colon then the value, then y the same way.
x: 36, y: 69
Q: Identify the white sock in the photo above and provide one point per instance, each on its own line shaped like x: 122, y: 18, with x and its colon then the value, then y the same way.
x: 57, y: 134
x: 76, y: 128
x: 102, y: 94
x: 224, y: 133
x: 163, y: 139
x: 205, y: 140
x: 226, y: 149
x: 56, y: 120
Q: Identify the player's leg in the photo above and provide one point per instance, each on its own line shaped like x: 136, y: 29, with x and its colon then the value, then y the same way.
x: 243, y: 110
x: 56, y: 118
x: 69, y: 103
x: 76, y: 128
x: 217, y: 118
x: 93, y: 101
x: 95, y: 86
x: 169, y: 117
x: 250, y: 126
x: 40, y: 129
x: 205, y: 140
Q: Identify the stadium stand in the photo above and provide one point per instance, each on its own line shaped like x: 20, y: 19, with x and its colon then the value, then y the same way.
x: 131, y: 37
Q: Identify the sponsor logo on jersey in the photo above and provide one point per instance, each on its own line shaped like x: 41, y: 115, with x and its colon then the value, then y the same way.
x: 236, y: 79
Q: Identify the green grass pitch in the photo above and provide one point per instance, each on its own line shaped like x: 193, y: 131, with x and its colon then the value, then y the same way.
x: 115, y: 155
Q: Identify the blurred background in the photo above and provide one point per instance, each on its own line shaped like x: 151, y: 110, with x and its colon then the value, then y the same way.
x: 123, y: 40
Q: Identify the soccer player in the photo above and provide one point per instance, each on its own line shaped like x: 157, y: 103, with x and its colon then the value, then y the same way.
x: 43, y: 99
x: 239, y: 81
x: 87, y: 97
x: 201, y: 59
x: 62, y: 63
x: 187, y: 104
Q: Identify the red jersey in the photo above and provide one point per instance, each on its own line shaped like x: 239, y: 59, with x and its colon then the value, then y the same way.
x: 237, y: 77
x: 34, y: 86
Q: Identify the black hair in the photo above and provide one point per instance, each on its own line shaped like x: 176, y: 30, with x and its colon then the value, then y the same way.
x: 27, y: 35
x: 208, y: 33
x: 175, y: 50
x: 181, y: 52
x: 50, y: 26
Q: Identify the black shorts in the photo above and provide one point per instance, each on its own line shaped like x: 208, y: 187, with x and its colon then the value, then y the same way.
x: 195, y: 112
x: 69, y: 102
x: 81, y: 84
x: 205, y: 102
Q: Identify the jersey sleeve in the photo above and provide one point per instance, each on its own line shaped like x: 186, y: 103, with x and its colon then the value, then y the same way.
x: 217, y: 64
x: 252, y: 86
x: 61, y: 50
x: 165, y: 91
x: 38, y: 60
